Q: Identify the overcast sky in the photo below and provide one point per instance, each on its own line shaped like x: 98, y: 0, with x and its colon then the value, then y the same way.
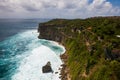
x: 58, y: 8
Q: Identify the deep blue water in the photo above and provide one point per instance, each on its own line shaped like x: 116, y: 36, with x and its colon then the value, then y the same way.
x: 22, y: 54
x: 9, y: 27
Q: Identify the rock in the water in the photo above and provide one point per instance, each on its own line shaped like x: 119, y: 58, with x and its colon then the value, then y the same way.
x: 47, y: 68
x: 56, y: 72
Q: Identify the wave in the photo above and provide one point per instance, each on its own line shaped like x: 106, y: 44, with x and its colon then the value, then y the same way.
x: 23, y: 55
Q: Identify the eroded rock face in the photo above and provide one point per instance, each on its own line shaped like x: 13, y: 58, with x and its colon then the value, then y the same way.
x: 51, y: 32
x: 47, y: 68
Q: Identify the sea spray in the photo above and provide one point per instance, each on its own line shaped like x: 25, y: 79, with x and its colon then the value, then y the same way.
x: 24, y: 55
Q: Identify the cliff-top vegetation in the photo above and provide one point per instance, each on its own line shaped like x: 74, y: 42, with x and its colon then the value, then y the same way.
x: 92, y: 46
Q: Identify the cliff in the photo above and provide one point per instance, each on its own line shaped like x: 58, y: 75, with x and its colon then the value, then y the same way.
x: 51, y: 32
x: 92, y: 47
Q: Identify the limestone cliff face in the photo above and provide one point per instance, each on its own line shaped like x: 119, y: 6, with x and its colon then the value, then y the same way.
x: 55, y: 33
x: 51, y: 32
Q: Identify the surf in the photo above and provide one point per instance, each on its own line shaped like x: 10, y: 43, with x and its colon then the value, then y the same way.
x: 28, y: 54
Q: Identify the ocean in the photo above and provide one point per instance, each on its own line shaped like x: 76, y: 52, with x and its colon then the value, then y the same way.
x: 22, y: 54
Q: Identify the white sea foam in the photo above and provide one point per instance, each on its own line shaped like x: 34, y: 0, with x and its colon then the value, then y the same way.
x: 36, y: 54
x: 30, y: 67
x: 61, y: 46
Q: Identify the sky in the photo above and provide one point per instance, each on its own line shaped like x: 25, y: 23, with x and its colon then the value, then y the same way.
x: 58, y: 8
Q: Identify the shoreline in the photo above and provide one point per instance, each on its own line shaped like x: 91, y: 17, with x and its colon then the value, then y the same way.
x: 64, y: 70
x: 90, y: 47
x: 38, y: 57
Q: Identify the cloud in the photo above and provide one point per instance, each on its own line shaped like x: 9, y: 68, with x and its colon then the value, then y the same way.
x: 57, y: 8
x: 103, y: 7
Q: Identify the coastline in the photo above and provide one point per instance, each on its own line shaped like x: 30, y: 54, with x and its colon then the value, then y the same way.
x: 88, y: 46
x: 64, y: 71
x: 38, y: 56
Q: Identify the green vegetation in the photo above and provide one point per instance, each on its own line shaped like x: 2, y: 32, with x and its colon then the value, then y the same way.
x: 92, y: 46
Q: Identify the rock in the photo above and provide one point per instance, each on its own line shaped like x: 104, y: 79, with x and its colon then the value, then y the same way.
x: 59, y: 68
x: 56, y: 72
x: 47, y: 68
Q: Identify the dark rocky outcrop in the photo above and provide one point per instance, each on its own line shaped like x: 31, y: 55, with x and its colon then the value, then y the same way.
x: 47, y: 68
x: 51, y: 32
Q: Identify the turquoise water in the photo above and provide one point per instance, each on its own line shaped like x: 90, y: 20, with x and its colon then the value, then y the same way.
x: 22, y: 56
